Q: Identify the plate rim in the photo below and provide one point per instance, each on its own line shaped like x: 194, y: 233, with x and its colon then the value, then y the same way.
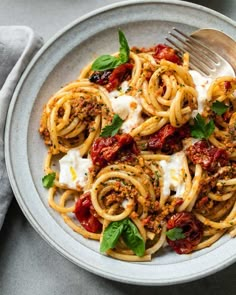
x: 13, y: 181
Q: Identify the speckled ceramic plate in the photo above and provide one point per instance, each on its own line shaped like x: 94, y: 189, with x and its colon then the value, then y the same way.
x: 145, y: 23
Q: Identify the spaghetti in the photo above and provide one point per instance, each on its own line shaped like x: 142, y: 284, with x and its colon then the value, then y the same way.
x: 146, y: 153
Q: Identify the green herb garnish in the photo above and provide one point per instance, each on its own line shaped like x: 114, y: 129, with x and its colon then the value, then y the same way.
x: 111, y: 130
x: 201, y: 129
x: 129, y: 232
x: 48, y: 180
x: 219, y: 107
x: 107, y: 62
x: 175, y: 233
x: 124, y: 48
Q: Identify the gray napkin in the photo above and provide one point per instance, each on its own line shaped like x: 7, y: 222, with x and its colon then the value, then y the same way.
x: 18, y: 44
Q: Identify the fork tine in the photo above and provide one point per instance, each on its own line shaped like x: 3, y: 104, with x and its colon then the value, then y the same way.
x: 197, y: 44
x: 175, y: 44
x: 200, y: 70
x: 197, y: 51
x: 195, y: 64
x: 194, y: 61
x: 202, y: 59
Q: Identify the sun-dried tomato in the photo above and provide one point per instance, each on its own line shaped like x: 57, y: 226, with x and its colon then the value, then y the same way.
x: 86, y: 214
x: 168, y: 138
x: 208, y: 156
x: 112, y: 79
x: 192, y: 230
x: 227, y: 115
x: 100, y: 77
x: 119, y: 74
x: 106, y: 149
x: 168, y: 53
x: 227, y: 85
x: 158, y: 140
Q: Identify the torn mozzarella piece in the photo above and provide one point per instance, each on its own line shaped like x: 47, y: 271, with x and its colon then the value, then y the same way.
x: 124, y: 87
x: 129, y: 109
x: 202, y: 85
x: 74, y: 169
x: 173, y: 175
x: 125, y: 203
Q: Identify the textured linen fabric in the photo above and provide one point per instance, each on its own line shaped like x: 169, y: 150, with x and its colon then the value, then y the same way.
x: 18, y: 44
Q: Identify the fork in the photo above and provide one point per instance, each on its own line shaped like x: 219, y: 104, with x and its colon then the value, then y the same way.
x: 202, y: 59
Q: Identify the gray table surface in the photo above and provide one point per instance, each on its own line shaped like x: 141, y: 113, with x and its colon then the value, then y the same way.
x: 28, y: 265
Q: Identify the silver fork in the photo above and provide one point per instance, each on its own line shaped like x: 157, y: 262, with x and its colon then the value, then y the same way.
x: 202, y: 59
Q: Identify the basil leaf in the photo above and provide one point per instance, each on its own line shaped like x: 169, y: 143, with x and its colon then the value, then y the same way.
x: 105, y: 62
x: 124, y: 47
x: 219, y: 107
x: 133, y: 239
x: 201, y: 129
x: 48, y: 180
x: 111, y: 235
x: 111, y: 130
x: 108, y: 62
x: 175, y: 233
x: 129, y: 232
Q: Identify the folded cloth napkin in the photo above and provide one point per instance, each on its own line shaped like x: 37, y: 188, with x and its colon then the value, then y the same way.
x: 18, y: 44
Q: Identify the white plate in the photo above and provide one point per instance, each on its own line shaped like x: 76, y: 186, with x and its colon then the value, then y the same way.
x: 145, y: 23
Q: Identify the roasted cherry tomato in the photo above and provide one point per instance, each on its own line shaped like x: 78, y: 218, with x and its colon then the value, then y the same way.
x: 86, y: 214
x: 168, y: 53
x: 227, y: 85
x: 111, y: 79
x: 119, y: 74
x: 168, y: 138
x: 100, y: 77
x: 106, y: 149
x: 208, y: 156
x: 192, y: 230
